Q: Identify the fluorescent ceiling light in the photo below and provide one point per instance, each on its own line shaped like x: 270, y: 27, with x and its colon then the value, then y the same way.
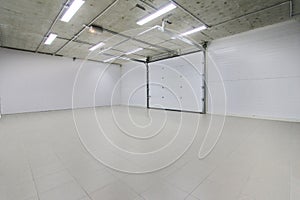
x: 134, y: 51
x: 110, y: 59
x: 72, y: 10
x: 158, y: 13
x: 201, y: 28
x: 50, y: 38
x: 124, y: 58
x: 97, y: 46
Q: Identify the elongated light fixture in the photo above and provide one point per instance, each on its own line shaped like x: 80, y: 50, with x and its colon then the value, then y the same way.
x: 201, y: 28
x: 158, y: 13
x: 134, y: 51
x: 50, y: 38
x: 97, y: 46
x: 72, y: 10
x: 124, y: 58
x: 110, y: 59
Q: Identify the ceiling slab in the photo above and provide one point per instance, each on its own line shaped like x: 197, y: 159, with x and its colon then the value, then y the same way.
x: 201, y: 38
x: 115, y: 52
x: 89, y: 10
x: 248, y: 6
x: 212, y: 11
x: 270, y: 16
x: 122, y: 17
x: 16, y: 38
x: 23, y: 24
x: 229, y: 28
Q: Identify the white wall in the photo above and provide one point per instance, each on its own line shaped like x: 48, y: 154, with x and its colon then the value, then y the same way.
x: 133, y: 84
x: 260, y: 70
x: 34, y: 82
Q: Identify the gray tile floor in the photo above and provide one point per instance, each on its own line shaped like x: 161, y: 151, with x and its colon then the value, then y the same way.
x: 45, y: 156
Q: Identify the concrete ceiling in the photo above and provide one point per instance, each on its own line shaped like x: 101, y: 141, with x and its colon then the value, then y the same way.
x: 24, y: 24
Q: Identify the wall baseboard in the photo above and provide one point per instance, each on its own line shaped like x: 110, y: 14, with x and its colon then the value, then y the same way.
x: 259, y: 117
x: 57, y: 110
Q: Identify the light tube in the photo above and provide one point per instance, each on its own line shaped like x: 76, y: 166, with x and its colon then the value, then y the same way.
x: 124, y: 58
x: 158, y: 13
x: 72, y: 10
x: 50, y: 38
x: 134, y: 51
x: 97, y: 46
x: 110, y: 59
x: 201, y: 28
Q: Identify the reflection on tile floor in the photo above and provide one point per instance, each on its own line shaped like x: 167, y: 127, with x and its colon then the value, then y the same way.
x: 42, y: 157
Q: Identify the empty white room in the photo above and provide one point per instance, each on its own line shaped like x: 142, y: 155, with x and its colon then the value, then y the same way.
x: 149, y: 100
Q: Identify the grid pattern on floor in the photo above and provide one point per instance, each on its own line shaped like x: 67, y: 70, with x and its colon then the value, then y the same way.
x: 42, y: 158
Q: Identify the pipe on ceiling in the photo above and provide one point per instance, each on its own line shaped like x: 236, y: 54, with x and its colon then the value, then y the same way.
x: 53, y: 23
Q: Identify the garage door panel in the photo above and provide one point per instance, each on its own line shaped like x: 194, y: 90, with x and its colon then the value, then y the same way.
x: 177, y: 83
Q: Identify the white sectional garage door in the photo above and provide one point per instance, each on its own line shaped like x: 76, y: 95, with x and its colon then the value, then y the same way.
x: 177, y: 83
